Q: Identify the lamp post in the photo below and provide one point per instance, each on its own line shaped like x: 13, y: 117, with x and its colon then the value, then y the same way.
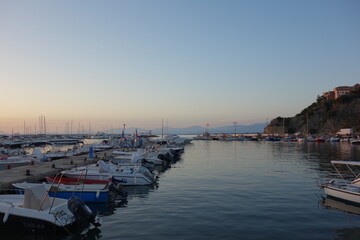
x: 235, y: 123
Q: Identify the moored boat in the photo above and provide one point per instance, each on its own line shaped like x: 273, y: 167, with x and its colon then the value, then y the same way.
x: 344, y: 189
x: 129, y: 175
x: 86, y: 192
x: 35, y: 211
x: 75, y: 181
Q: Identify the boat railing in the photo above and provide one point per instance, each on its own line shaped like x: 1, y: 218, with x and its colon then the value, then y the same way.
x: 58, y: 177
x: 52, y: 188
x: 347, y: 183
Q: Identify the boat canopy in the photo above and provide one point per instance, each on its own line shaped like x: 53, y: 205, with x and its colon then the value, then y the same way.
x: 354, y: 163
x: 36, y: 197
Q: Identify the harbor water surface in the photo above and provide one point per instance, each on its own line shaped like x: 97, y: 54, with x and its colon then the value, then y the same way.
x: 237, y: 190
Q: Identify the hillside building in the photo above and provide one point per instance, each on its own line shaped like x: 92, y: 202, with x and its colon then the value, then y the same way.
x: 340, y: 91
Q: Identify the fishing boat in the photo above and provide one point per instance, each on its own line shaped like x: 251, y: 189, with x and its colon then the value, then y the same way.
x: 36, y: 212
x: 342, y: 188
x: 98, y: 193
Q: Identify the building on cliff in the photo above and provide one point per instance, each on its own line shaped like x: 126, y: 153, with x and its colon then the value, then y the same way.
x: 340, y: 91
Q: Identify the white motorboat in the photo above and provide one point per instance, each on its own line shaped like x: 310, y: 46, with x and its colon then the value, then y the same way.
x: 86, y: 192
x: 139, y: 157
x: 128, y: 175
x: 334, y: 139
x: 342, y: 188
x: 35, y: 211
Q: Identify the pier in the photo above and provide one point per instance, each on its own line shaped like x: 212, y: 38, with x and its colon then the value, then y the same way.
x: 37, y: 171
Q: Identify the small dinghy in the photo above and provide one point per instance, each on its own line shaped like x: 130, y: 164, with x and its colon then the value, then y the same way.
x: 36, y: 212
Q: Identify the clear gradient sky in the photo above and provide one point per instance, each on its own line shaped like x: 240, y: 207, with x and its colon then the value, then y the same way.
x: 190, y: 62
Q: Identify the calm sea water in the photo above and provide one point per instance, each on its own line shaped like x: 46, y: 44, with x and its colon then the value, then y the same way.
x: 237, y: 190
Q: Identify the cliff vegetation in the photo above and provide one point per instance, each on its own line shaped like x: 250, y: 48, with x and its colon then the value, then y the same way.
x: 323, y: 117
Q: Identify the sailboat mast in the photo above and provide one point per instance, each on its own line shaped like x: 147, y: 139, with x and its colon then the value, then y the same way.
x: 162, y: 128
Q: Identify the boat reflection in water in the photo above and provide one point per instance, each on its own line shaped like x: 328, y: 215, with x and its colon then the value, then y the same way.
x: 139, y: 191
x: 90, y: 233
x: 108, y: 208
x: 334, y: 204
x: 339, y: 205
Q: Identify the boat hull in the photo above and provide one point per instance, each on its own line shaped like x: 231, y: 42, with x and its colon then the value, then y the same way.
x: 33, y: 225
x: 74, y: 181
x: 95, y: 197
x: 95, y: 194
x: 350, y: 196
x: 123, y: 179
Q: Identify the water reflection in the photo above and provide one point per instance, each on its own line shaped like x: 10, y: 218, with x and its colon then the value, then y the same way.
x: 348, y: 234
x: 106, y: 209
x: 337, y: 205
x: 139, y: 191
x: 91, y: 233
x: 333, y: 204
x: 314, y: 156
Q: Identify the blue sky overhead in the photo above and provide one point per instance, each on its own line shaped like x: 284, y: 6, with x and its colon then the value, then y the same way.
x: 188, y: 62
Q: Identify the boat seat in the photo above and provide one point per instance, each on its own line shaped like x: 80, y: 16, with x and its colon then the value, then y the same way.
x: 34, y: 198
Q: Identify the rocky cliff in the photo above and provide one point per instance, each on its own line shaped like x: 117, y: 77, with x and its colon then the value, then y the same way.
x: 323, y: 117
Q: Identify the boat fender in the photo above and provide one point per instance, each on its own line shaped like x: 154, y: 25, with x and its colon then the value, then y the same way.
x: 97, y: 193
x: 6, y: 216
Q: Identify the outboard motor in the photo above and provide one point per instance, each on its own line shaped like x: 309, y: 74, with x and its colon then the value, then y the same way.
x: 164, y: 157
x: 174, y: 153
x: 82, y: 212
x: 116, y: 188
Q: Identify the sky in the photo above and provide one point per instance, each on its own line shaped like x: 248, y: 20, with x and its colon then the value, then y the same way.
x: 102, y: 64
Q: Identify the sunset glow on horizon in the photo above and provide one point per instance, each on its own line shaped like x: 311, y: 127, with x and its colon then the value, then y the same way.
x: 108, y: 63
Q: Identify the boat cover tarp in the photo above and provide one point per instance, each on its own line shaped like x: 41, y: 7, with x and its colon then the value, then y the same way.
x: 104, y: 167
x: 354, y: 163
x: 34, y: 196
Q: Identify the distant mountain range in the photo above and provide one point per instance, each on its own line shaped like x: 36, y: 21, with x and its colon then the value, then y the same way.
x: 195, y: 130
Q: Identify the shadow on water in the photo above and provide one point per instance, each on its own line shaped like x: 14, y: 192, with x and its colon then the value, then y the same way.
x: 106, y: 209
x: 348, y: 234
x: 92, y: 233
x: 346, y: 207
x: 335, y: 204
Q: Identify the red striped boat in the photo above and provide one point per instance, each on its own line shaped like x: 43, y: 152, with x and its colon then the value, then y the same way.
x: 75, y: 181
